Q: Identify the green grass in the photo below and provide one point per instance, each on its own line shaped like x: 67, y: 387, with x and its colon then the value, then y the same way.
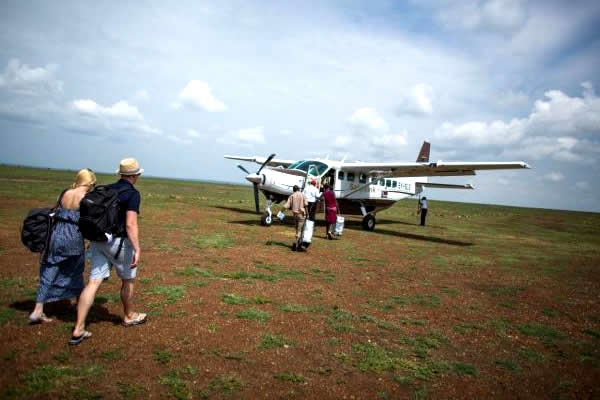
x: 194, y: 271
x: 234, y: 299
x: 225, y: 384
x: 113, y: 354
x: 465, y: 369
x: 290, y: 377
x: 163, y: 356
x: 173, y: 293
x: 6, y: 315
x: 254, y: 315
x: 178, y: 386
x: 46, y: 378
x: 545, y: 333
x: 271, y: 341
x: 215, y: 241
x: 373, y: 358
x: 130, y: 391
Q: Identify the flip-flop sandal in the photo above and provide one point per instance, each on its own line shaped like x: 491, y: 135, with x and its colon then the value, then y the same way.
x: 140, y: 319
x: 75, y: 340
x: 42, y: 319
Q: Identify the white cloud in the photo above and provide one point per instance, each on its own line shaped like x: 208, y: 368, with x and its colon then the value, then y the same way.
x: 179, y: 140
x: 418, y: 101
x: 479, y: 134
x: 490, y: 15
x: 554, y: 176
x: 583, y: 185
x: 559, y: 127
x: 22, y: 79
x: 561, y: 114
x: 244, y: 137
x: 193, y: 133
x: 285, y: 132
x: 368, y: 118
x: 108, y: 121
x: 120, y: 109
x: 197, y: 94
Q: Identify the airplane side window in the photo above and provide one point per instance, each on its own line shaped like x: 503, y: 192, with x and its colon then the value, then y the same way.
x: 350, y: 177
x: 362, y: 178
x: 382, y: 182
x: 394, y: 184
x: 341, y: 175
x: 388, y: 183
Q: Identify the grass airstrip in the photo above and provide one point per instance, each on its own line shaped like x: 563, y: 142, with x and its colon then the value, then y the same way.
x: 484, y: 302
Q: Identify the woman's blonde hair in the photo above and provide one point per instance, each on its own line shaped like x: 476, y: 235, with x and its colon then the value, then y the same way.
x: 85, y: 177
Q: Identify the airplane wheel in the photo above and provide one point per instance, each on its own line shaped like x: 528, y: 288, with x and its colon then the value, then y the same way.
x: 266, y: 220
x: 368, y: 222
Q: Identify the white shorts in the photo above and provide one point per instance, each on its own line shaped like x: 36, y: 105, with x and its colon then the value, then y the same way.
x: 102, y: 258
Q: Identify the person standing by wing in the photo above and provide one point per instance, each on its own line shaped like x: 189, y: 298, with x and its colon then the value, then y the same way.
x: 422, y: 210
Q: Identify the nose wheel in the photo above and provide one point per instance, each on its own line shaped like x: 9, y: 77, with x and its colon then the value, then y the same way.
x: 368, y: 222
x: 266, y: 219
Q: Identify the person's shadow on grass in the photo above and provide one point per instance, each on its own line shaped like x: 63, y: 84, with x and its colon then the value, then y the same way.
x: 64, y: 311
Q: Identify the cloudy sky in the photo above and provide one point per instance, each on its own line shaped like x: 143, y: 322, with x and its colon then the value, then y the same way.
x: 84, y: 84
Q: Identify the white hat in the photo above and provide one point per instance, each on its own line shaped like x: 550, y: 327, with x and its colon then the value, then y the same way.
x: 129, y: 166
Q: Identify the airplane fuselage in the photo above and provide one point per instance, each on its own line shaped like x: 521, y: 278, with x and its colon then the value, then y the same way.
x: 355, y: 196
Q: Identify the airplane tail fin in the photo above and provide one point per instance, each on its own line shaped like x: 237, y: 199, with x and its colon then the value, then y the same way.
x: 424, y: 153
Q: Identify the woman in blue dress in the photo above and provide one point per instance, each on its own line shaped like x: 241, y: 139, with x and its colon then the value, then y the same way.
x: 61, y: 270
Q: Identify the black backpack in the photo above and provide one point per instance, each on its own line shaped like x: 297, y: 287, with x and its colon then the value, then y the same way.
x: 37, y: 227
x: 99, y: 213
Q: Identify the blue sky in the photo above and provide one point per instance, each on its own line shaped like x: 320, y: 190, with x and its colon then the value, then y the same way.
x: 84, y: 84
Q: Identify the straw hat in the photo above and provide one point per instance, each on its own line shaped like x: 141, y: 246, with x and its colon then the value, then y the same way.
x: 129, y: 166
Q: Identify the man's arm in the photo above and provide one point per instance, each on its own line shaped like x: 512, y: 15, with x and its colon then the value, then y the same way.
x: 131, y: 226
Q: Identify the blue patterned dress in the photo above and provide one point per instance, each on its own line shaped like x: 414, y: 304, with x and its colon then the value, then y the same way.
x: 61, y: 273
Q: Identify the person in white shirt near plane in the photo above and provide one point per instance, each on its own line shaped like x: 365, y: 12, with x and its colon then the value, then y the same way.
x: 311, y: 193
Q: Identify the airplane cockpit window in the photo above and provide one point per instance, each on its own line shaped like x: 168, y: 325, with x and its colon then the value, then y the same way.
x: 316, y: 168
x: 382, y: 182
x: 350, y: 177
x: 388, y: 183
x: 341, y: 175
x: 362, y: 178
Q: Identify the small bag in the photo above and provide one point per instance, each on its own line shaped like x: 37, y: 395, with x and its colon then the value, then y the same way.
x: 307, y: 232
x: 37, y: 227
x: 339, y: 225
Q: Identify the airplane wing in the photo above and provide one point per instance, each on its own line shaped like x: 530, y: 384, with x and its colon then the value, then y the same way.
x: 443, y: 185
x: 259, y: 160
x: 441, y: 168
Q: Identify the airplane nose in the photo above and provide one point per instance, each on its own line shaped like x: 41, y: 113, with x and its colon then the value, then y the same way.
x: 254, y: 178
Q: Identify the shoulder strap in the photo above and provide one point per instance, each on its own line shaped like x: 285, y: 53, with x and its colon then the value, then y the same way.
x: 60, y: 198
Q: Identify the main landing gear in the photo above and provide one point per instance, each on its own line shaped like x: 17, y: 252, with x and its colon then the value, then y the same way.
x: 368, y: 222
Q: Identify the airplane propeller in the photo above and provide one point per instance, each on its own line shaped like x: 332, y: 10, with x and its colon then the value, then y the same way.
x: 255, y: 179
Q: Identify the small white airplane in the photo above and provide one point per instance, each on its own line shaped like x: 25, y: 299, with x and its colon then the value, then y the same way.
x: 361, y: 188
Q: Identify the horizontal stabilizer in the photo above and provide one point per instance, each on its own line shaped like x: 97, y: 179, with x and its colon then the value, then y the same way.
x: 443, y: 185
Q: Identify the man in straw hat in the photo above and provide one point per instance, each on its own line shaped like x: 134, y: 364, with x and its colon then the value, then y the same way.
x: 121, y: 251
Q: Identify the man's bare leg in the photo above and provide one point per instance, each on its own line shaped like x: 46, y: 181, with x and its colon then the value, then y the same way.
x: 85, y: 303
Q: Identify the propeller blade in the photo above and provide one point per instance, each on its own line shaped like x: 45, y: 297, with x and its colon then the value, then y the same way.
x: 255, y: 185
x: 243, y: 169
x: 268, y: 160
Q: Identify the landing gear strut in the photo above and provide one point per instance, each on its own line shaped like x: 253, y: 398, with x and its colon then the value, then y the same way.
x: 267, y: 218
x: 368, y: 222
